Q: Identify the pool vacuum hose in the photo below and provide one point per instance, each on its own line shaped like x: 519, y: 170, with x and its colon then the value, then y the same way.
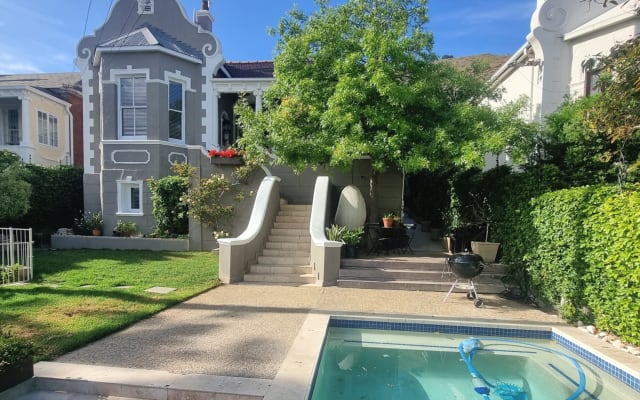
x: 468, y: 349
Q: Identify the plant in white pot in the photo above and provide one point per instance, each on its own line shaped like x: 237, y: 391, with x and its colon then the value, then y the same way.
x: 483, y: 213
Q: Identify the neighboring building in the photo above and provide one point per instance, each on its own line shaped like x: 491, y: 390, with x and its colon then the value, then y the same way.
x: 156, y: 90
x: 41, y: 118
x: 554, y: 63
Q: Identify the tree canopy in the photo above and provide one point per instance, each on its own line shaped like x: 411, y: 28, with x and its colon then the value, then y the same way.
x: 615, y: 110
x: 361, y: 80
x: 14, y: 190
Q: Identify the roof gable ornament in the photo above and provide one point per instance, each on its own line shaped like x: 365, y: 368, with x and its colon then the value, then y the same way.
x: 145, y: 6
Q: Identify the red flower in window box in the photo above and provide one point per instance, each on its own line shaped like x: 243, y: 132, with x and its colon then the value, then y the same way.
x: 228, y: 153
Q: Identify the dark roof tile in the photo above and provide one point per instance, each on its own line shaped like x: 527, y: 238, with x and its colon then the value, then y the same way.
x: 149, y: 35
x: 248, y: 69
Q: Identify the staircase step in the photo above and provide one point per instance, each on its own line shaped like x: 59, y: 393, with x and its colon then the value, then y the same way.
x: 66, y: 381
x: 289, y: 260
x: 281, y: 278
x: 290, y: 232
x: 281, y: 269
x: 420, y: 263
x: 292, y: 219
x: 303, y: 226
x: 417, y: 286
x: 295, y: 213
x: 295, y: 207
x: 303, y: 251
x: 290, y: 239
x: 284, y: 245
x: 390, y: 274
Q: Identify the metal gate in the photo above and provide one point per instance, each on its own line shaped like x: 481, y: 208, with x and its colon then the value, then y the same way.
x: 16, y: 255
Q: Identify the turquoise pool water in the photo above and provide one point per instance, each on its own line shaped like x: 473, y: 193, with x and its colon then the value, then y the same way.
x: 372, y: 364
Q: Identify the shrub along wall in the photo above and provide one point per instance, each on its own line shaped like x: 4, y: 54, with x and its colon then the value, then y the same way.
x: 56, y: 198
x: 558, y: 264
x: 584, y: 255
x: 613, y: 259
x: 577, y: 249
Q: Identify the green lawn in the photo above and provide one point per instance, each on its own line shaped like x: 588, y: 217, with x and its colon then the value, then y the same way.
x: 78, y: 296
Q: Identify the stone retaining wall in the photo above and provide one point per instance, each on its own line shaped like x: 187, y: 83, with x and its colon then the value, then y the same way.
x: 115, y: 242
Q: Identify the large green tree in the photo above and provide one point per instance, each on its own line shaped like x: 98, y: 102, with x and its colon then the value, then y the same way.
x: 615, y: 111
x: 14, y: 190
x: 361, y: 80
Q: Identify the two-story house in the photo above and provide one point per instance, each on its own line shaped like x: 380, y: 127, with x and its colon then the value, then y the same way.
x: 156, y: 90
x: 41, y: 118
x: 554, y: 62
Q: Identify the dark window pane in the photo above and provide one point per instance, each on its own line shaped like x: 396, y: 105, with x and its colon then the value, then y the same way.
x: 135, y: 198
x: 175, y: 125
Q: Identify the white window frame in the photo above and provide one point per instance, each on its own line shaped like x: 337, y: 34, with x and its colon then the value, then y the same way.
x: 181, y: 111
x: 132, y: 75
x: 124, y: 188
x: 47, y: 133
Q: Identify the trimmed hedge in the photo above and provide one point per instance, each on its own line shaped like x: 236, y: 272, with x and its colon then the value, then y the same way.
x: 613, y: 258
x: 577, y: 249
x: 56, y: 198
x: 557, y: 264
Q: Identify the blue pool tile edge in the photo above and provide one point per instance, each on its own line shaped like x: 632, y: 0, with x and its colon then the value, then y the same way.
x: 456, y: 329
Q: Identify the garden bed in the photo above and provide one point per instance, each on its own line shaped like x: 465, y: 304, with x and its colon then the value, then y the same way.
x: 115, y: 242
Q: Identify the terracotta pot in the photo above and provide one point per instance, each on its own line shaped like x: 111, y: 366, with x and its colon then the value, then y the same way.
x: 96, y: 232
x: 388, y: 222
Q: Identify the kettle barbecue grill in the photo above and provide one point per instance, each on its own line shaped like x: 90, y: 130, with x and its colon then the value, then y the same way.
x: 466, y: 266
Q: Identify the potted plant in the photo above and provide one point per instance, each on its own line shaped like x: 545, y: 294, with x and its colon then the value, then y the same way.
x: 16, y: 360
x: 94, y: 222
x: 389, y: 219
x: 88, y: 224
x: 351, y: 239
x: 335, y: 233
x: 484, y: 214
x: 125, y: 228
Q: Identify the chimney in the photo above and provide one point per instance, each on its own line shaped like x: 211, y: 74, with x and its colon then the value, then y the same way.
x: 203, y: 17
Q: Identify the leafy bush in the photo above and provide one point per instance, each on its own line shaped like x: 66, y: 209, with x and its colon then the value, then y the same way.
x: 206, y: 203
x: 613, y: 255
x: 169, y: 208
x: 125, y: 228
x: 56, y: 197
x: 557, y: 264
x: 352, y: 237
x: 13, y: 350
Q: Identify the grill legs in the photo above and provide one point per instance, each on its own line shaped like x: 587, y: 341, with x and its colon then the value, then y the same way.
x: 472, y: 294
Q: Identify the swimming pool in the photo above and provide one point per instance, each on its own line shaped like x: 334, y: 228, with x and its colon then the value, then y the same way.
x: 371, y: 359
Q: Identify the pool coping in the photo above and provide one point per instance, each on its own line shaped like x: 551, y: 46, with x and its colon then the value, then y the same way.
x: 295, y: 376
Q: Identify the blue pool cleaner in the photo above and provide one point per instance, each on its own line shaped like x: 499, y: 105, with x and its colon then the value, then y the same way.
x: 508, y: 391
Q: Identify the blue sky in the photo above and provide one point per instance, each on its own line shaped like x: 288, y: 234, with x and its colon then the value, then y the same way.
x: 41, y: 35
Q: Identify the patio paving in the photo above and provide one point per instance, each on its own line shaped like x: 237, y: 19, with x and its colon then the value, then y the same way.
x: 248, y: 341
x: 245, y: 330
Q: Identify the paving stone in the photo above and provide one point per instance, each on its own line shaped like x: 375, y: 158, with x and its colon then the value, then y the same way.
x: 160, y: 289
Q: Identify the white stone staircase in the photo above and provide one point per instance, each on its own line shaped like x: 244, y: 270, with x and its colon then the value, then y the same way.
x: 285, y: 258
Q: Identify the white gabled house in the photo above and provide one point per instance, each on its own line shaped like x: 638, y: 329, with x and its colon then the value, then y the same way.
x: 553, y: 63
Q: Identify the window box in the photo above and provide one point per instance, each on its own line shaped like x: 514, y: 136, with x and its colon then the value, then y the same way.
x: 227, y: 161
